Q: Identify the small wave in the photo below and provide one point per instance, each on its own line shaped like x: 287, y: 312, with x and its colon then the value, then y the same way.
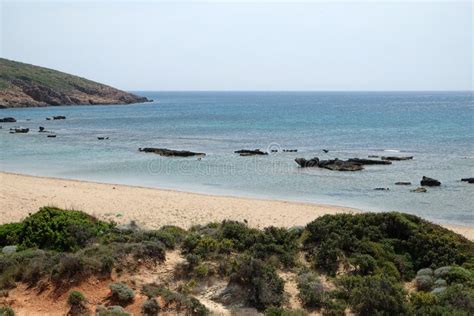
x: 392, y: 150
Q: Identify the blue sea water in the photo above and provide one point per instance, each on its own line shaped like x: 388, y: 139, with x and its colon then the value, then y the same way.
x: 434, y: 127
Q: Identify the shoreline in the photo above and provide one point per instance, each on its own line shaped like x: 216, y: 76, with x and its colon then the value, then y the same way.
x: 151, y: 207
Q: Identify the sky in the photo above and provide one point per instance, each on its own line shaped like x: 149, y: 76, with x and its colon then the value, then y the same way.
x: 262, y: 45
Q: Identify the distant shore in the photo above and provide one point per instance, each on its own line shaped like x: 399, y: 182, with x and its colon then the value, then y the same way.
x: 152, y: 208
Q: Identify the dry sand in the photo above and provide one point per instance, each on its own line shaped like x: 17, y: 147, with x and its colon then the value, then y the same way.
x: 152, y: 208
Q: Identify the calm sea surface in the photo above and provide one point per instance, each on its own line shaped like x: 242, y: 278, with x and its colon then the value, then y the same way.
x: 435, y: 127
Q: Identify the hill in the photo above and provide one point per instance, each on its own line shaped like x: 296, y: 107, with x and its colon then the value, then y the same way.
x: 24, y: 85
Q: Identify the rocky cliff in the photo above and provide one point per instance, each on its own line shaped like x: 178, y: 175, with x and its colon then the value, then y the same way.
x: 24, y: 85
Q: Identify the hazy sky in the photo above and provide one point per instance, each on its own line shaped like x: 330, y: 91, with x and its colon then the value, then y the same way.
x: 157, y: 45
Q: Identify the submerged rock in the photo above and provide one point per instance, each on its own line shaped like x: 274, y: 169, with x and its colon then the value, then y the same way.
x: 382, y: 189
x: 419, y: 190
x: 396, y: 158
x: 170, y: 152
x: 102, y: 138
x: 8, y: 120
x: 430, y: 182
x: 247, y: 152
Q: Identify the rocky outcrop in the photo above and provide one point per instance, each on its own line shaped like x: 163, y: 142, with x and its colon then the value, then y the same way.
x: 170, y: 152
x: 247, y: 152
x: 369, y: 161
x: 19, y: 130
x: 351, y: 164
x: 333, y: 164
x: 429, y: 182
x: 396, y: 158
x: 8, y: 120
x: 24, y: 85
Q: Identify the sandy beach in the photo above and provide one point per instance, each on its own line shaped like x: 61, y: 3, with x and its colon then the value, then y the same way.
x: 152, y: 208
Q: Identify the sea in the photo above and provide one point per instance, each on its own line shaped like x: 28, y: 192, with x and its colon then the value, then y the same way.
x: 436, y: 128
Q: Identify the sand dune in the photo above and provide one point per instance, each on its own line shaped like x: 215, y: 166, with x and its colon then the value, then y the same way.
x: 152, y: 208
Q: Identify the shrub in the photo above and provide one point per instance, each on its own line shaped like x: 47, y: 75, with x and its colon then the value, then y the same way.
x: 311, y: 291
x: 424, y: 283
x: 76, y: 298
x: 334, y: 308
x: 9, y: 234
x: 57, y: 229
x: 150, y: 307
x: 265, y: 287
x: 121, y: 293
x: 110, y: 311
x: 6, y: 311
x: 279, y: 311
x: 77, y: 301
x: 385, y: 236
x: 372, y: 295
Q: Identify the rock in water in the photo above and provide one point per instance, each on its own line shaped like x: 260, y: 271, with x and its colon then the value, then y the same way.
x: 247, y: 152
x: 59, y: 117
x: 468, y: 180
x: 397, y: 158
x: 382, y: 189
x: 20, y: 130
x: 429, y: 182
x: 170, y: 152
x: 8, y: 120
x: 402, y: 183
x: 369, y: 161
x: 419, y: 190
x: 334, y: 164
x: 303, y: 163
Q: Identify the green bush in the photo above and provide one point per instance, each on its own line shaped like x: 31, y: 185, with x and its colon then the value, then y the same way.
x: 60, y: 230
x: 374, y: 295
x: 110, y: 311
x: 151, y: 307
x: 311, y: 291
x: 179, y: 300
x: 10, y: 234
x: 121, y: 293
x: 265, y: 287
x: 6, y: 311
x: 76, y: 298
x: 407, y: 241
x: 279, y: 311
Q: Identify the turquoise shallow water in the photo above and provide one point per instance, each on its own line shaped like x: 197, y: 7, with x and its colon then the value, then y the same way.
x: 436, y: 128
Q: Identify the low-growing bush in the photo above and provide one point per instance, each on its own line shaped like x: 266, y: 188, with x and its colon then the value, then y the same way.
x: 57, y: 229
x: 406, y: 241
x: 121, y: 293
x: 77, y: 303
x: 279, y: 311
x: 311, y: 290
x: 374, y: 295
x: 6, y: 311
x: 265, y: 287
x: 102, y: 310
x: 151, y: 307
